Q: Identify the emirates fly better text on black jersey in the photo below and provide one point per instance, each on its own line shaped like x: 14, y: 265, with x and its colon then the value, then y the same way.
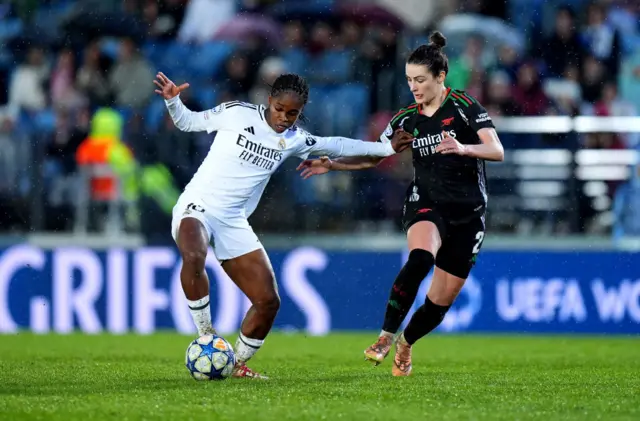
x: 455, y: 185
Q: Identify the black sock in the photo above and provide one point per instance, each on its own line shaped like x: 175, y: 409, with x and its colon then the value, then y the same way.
x: 405, y: 288
x: 424, y: 320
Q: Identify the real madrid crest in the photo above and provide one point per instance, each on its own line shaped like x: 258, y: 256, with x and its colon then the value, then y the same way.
x: 282, y: 143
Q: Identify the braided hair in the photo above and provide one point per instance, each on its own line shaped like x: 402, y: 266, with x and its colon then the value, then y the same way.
x: 291, y: 83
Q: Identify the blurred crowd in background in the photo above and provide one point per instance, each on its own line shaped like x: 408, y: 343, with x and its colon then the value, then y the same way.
x: 78, y: 75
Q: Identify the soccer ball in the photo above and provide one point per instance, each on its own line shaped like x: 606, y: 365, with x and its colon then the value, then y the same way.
x: 210, y: 357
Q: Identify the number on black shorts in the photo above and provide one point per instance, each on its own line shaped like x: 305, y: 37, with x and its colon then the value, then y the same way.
x: 479, y: 238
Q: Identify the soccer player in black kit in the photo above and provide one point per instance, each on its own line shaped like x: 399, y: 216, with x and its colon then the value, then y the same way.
x: 445, y: 204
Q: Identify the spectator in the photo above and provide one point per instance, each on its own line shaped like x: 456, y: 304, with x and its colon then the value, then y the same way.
x: 150, y: 14
x: 350, y: 35
x: 9, y: 161
x: 27, y: 89
x: 59, y: 169
x: 603, y: 141
x: 293, y: 53
x: 563, y: 48
x: 330, y: 63
x: 270, y: 69
x: 572, y: 73
x: 528, y: 93
x: 499, y: 95
x: 611, y: 105
x: 593, y: 77
x: 384, y: 91
x: 203, y: 18
x: 472, y: 59
x: 63, y: 90
x: 131, y: 77
x: 565, y: 92
x: 71, y: 129
x: 236, y: 78
x: 600, y: 39
x: 476, y: 84
x: 163, y: 19
x: 629, y: 79
x: 507, y: 62
x: 92, y: 76
x: 15, y: 166
x: 623, y: 16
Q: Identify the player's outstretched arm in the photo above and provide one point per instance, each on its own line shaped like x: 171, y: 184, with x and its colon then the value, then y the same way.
x: 184, y: 119
x: 353, y: 159
x: 322, y: 165
x: 345, y: 147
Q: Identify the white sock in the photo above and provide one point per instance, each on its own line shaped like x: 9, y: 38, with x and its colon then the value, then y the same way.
x: 246, y: 347
x: 201, y: 314
x: 385, y: 333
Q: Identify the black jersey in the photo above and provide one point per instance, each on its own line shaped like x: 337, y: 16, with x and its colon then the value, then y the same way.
x: 454, y: 184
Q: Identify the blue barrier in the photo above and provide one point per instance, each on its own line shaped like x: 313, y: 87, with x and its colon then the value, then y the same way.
x: 139, y: 290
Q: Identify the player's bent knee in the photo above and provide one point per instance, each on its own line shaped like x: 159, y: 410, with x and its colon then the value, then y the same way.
x: 445, y: 296
x: 194, y: 259
x: 420, y: 260
x: 268, y: 305
x: 272, y: 304
x: 442, y: 299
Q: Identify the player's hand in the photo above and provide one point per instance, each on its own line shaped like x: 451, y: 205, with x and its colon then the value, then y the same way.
x: 168, y: 89
x: 401, y: 140
x: 311, y: 167
x: 450, y: 146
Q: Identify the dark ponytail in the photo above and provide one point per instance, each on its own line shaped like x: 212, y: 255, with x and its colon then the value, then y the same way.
x: 431, y: 55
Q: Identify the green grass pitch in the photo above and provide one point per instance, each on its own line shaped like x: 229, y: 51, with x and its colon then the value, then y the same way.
x: 468, y: 377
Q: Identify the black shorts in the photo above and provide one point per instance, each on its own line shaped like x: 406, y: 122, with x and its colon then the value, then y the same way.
x: 461, y: 241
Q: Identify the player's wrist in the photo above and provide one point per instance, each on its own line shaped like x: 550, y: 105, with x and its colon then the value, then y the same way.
x: 389, y: 148
x: 330, y: 166
x: 172, y: 100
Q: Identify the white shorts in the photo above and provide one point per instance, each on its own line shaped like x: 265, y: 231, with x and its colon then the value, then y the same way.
x: 230, y: 237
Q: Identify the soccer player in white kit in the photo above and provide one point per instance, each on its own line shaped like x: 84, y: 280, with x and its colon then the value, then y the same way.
x: 251, y: 143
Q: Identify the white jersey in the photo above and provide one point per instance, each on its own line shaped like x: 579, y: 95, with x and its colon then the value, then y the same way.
x: 247, y: 151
